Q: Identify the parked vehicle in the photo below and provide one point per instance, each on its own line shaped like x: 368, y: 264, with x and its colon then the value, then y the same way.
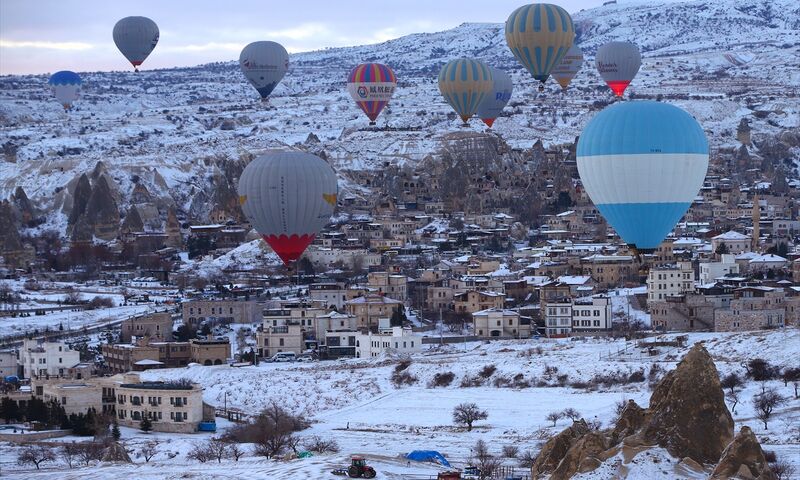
x: 284, y: 357
x: 305, y: 358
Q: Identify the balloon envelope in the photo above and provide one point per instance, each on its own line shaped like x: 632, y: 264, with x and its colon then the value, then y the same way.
x: 371, y: 85
x: 493, y: 104
x: 264, y: 64
x: 136, y: 37
x: 642, y: 164
x: 464, y: 83
x: 569, y: 66
x: 539, y: 35
x: 66, y: 87
x: 618, y: 63
x: 288, y: 197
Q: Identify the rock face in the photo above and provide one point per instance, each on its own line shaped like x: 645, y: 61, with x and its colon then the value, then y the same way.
x: 102, y: 212
x: 743, y: 459
x: 80, y: 198
x: 116, y: 453
x: 688, y: 415
x: 9, y: 229
x: 26, y: 209
x: 173, y: 230
x: 557, y: 448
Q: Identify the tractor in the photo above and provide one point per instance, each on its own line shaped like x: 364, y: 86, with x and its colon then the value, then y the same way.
x: 359, y: 468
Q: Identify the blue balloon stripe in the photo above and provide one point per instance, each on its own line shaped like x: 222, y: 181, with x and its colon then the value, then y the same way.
x: 551, y: 19
x: 644, y: 225
x: 537, y: 18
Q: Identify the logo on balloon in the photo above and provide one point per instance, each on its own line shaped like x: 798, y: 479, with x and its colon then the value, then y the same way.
x: 363, y: 92
x: 330, y: 198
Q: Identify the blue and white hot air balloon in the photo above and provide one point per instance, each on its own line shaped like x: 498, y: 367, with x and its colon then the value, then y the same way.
x: 642, y: 163
x: 66, y: 87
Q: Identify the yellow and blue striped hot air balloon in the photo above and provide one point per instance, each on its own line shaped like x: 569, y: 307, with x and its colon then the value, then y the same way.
x: 464, y: 83
x: 539, y: 35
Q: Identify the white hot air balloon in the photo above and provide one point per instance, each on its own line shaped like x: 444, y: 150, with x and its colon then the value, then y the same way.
x: 264, y: 64
x: 288, y: 197
x: 136, y: 37
x: 492, y: 105
x: 565, y: 71
x: 642, y: 164
x: 618, y: 63
x: 66, y: 87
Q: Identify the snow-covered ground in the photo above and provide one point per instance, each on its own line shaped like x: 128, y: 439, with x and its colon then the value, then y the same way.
x: 355, y: 403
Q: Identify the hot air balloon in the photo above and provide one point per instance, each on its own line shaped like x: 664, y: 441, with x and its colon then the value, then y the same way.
x: 264, y: 64
x: 618, y: 63
x: 136, y: 37
x: 464, y: 83
x: 371, y: 85
x: 569, y: 66
x: 492, y: 104
x: 539, y: 35
x: 642, y: 164
x: 66, y: 87
x: 288, y: 197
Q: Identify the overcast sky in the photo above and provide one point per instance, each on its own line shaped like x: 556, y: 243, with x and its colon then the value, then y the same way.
x: 42, y: 36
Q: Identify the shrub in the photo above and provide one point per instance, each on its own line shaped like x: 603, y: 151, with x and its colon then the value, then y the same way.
x: 487, y: 371
x: 636, y: 377
x: 469, y: 381
x: 443, y: 379
x: 403, y: 378
x: 510, y: 451
x: 320, y: 445
x: 402, y: 365
x: 759, y: 369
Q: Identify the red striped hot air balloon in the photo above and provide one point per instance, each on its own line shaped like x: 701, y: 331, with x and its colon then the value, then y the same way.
x: 288, y: 197
x: 371, y: 85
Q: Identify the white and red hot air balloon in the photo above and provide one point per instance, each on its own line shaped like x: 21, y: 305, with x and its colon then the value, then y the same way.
x: 618, y: 63
x: 288, y: 197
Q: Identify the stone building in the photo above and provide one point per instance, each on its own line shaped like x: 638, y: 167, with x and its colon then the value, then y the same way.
x: 495, y: 322
x: 156, y: 325
x: 667, y: 280
x: 370, y: 308
x: 196, y: 312
x: 753, y: 308
x: 46, y: 359
x: 475, y: 301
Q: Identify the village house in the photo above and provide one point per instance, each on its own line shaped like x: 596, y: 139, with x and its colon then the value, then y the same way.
x: 591, y: 314
x: 710, y: 271
x: 609, y: 271
x: 155, y: 325
x: 473, y: 301
x: 370, y: 308
x: 196, y: 312
x: 46, y: 358
x: 735, y: 242
x: 668, y: 280
x: 393, y: 286
x: 400, y: 340
x: 753, y: 308
x: 281, y: 338
x: 497, y: 322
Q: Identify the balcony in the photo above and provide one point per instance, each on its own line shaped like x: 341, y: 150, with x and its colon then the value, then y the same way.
x: 179, y: 403
x: 136, y: 401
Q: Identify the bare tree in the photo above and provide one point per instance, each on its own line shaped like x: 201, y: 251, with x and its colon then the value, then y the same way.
x: 467, y: 414
x: 765, y: 403
x: 554, y: 417
x: 731, y: 381
x: 320, y: 445
x: 89, y: 451
x: 526, y: 459
x: 69, y: 453
x: 484, y: 460
x: 149, y: 450
x: 293, y: 442
x: 510, y: 451
x: 235, y: 451
x: 217, y: 449
x: 733, y: 397
x: 199, y: 453
x: 782, y: 469
x: 35, y: 455
x: 571, y: 413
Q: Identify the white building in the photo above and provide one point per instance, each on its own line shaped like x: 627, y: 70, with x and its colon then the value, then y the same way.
x: 766, y: 262
x: 46, y: 359
x: 8, y: 363
x: 667, y: 280
x: 591, y: 314
x: 735, y: 242
x: 712, y: 270
x: 558, y: 317
x: 327, y: 257
x: 401, y: 340
x: 328, y: 294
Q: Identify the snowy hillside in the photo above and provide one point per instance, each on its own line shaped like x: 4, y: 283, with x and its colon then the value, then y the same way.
x: 180, y: 133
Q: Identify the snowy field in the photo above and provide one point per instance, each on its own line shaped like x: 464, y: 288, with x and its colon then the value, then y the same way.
x: 355, y: 403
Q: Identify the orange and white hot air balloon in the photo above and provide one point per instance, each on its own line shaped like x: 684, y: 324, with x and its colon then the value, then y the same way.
x: 288, y: 197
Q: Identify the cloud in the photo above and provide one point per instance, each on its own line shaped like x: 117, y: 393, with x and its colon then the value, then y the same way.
x: 46, y: 45
x: 203, y: 47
